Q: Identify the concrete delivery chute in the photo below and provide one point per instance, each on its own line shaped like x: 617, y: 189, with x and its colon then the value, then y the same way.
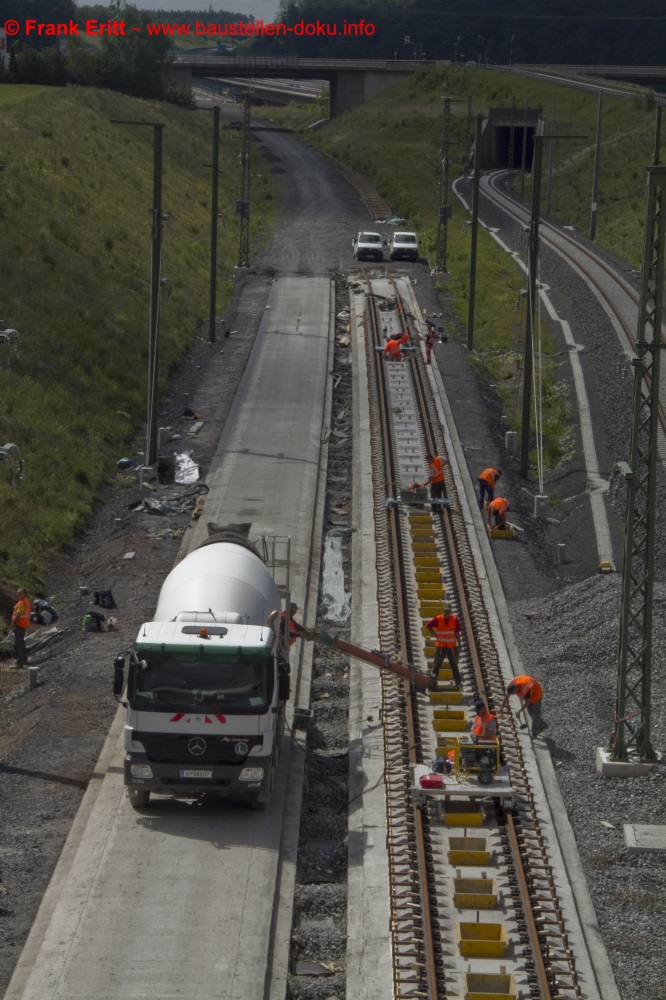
x: 374, y: 656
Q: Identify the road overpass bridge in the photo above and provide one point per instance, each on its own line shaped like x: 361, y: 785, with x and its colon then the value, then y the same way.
x: 351, y: 81
x: 651, y: 76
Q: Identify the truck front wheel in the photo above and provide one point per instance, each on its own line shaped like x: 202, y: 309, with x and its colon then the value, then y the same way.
x: 259, y: 801
x: 139, y: 798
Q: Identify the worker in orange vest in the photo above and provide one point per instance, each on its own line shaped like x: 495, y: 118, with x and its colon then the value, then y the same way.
x: 485, y: 723
x: 392, y: 350
x: 497, y: 509
x: 295, y: 630
x: 446, y: 629
x: 436, y: 475
x: 530, y: 694
x: 20, y: 623
x: 429, y: 343
x: 487, y: 483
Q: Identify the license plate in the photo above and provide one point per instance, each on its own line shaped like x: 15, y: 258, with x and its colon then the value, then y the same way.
x: 196, y: 774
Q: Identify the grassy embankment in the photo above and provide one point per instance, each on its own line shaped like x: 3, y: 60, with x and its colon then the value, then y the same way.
x: 75, y: 236
x: 395, y: 141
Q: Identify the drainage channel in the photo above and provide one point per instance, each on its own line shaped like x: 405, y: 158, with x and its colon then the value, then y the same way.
x: 317, y: 964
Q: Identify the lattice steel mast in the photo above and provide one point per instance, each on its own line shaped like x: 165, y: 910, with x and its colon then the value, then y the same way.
x: 634, y: 678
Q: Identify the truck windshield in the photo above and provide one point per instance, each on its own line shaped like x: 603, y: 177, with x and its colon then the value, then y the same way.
x: 182, y: 681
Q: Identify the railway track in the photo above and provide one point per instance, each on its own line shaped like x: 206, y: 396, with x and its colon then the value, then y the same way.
x: 618, y: 298
x: 472, y: 842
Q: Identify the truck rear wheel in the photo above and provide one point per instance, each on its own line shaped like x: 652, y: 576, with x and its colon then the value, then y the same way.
x: 139, y: 798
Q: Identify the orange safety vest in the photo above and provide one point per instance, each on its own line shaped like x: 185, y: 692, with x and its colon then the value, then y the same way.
x: 446, y: 631
x: 491, y: 476
x: 500, y: 505
x: 436, y: 470
x: 393, y: 346
x: 485, y: 725
x: 528, y: 686
x: 21, y: 613
x: 292, y: 636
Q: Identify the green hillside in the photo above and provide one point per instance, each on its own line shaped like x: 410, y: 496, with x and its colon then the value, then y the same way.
x: 395, y: 141
x: 75, y: 234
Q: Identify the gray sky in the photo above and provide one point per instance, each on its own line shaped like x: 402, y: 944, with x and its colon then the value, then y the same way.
x: 262, y: 9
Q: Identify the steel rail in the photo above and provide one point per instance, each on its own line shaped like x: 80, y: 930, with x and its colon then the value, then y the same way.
x: 531, y: 864
x: 514, y: 209
x: 418, y: 957
x: 406, y: 873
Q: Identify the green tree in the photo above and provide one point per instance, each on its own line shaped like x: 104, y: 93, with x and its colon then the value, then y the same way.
x: 133, y: 64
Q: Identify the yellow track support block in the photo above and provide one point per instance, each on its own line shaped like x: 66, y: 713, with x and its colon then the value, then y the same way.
x: 459, y: 813
x: 445, y: 674
x: 446, y: 697
x: 431, y: 592
x: 426, y: 561
x: 451, y: 713
x: 468, y: 851
x: 481, y: 940
x: 475, y: 893
x: 501, y: 532
x: 445, y: 743
x: 489, y: 987
x: 429, y: 609
x: 453, y: 725
x: 430, y: 576
x: 420, y: 516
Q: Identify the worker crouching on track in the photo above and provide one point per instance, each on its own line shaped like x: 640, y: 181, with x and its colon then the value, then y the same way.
x: 436, y: 475
x: 497, y: 509
x: 487, y: 483
x: 530, y: 694
x: 392, y: 350
x: 446, y: 629
x: 485, y: 723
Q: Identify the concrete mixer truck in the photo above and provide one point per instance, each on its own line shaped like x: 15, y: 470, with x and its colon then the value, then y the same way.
x: 207, y: 680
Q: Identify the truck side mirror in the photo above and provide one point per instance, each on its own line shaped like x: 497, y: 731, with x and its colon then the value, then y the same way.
x: 118, y: 675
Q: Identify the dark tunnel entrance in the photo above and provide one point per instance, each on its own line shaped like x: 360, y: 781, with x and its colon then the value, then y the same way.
x: 498, y: 151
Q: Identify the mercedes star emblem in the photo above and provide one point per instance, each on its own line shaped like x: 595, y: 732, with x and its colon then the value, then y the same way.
x: 197, y: 746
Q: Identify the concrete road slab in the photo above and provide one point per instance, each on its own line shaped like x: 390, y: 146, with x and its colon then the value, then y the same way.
x: 178, y: 900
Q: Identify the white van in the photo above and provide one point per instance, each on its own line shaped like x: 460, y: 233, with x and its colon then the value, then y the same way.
x: 403, y: 246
